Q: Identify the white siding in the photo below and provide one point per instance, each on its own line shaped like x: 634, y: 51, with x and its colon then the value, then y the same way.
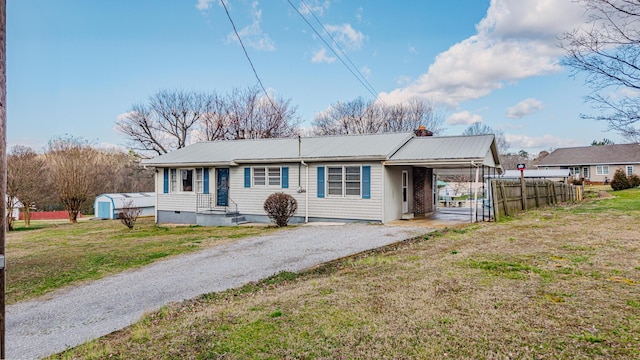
x: 349, y: 208
x: 251, y: 200
x: 393, y: 192
x: 177, y: 202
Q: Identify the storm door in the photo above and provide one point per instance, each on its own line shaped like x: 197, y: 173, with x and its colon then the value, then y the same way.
x: 222, y: 186
x: 405, y: 191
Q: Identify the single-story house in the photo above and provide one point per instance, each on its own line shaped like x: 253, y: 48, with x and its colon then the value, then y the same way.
x: 372, y: 178
x: 594, y: 163
x: 529, y: 174
x: 108, y: 206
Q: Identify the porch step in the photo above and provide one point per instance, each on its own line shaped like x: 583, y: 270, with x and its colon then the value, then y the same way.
x: 407, y: 216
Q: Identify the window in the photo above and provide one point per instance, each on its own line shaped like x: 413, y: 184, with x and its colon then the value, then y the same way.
x: 173, y: 181
x: 602, y: 170
x: 274, y: 176
x: 186, y: 178
x: 267, y: 176
x: 629, y: 170
x: 334, y: 180
x: 259, y: 177
x: 574, y: 171
x: 199, y: 181
x: 585, y: 172
x: 343, y: 180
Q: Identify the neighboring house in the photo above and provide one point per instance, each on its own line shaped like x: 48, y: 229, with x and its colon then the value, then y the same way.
x: 377, y: 178
x: 550, y: 174
x: 595, y: 164
x: 108, y: 206
x: 17, y: 205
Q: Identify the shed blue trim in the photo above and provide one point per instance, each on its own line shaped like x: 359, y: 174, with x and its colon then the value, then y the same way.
x: 247, y: 177
x: 366, y: 182
x: 285, y: 177
x: 321, y: 181
x: 166, y: 181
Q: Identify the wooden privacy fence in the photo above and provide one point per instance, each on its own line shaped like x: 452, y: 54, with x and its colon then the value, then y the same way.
x: 507, y: 195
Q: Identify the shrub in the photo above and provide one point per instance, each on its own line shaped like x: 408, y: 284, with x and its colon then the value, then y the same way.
x: 620, y: 181
x: 280, y: 207
x: 634, y: 180
x: 129, y: 214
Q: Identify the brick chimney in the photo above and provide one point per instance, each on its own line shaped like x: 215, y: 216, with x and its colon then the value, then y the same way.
x: 422, y: 131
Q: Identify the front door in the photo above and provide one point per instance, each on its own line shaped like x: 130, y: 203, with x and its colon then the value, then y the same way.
x: 222, y: 187
x: 405, y: 191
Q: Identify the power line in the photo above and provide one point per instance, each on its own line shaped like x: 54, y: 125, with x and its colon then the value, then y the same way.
x: 246, y: 54
x: 359, y: 75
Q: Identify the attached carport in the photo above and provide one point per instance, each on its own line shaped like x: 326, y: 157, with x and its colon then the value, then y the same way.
x: 470, y: 158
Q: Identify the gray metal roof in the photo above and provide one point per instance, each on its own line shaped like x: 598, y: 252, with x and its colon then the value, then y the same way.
x: 378, y: 146
x: 396, y: 149
x: 532, y: 174
x: 447, y: 149
x: 593, y: 155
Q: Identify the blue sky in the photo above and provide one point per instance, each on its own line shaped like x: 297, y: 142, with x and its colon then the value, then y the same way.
x: 74, y: 66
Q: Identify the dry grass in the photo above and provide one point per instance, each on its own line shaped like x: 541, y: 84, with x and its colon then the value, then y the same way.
x: 554, y: 283
x: 50, y: 255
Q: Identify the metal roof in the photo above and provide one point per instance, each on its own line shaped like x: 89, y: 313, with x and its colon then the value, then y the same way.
x: 374, y: 147
x: 531, y: 174
x: 445, y: 149
x: 395, y: 149
x: 593, y: 155
x: 140, y: 199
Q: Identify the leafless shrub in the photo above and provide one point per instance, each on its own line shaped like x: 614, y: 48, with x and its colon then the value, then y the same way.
x: 129, y: 213
x: 280, y: 207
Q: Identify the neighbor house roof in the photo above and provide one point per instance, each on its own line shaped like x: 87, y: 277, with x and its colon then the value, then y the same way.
x: 397, y: 149
x: 593, y: 155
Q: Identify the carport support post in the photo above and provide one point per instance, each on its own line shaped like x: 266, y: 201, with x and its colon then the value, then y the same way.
x: 523, y: 190
x: 475, y: 195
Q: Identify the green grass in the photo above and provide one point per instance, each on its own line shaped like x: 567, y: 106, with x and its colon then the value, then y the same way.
x: 559, y: 287
x: 51, y: 255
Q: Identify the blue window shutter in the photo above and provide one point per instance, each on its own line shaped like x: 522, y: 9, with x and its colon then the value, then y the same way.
x: 205, y: 180
x: 166, y: 181
x: 366, y: 182
x: 285, y: 177
x: 247, y: 177
x: 320, y: 181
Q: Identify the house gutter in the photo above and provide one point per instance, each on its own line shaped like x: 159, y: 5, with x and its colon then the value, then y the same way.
x: 306, y: 191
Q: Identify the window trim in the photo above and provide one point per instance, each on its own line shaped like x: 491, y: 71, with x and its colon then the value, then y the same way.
x: 176, y: 185
x: 343, y: 181
x: 627, y: 168
x: 267, y: 177
x: 602, y: 169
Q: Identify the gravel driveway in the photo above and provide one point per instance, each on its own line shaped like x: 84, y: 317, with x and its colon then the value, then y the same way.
x: 72, y: 316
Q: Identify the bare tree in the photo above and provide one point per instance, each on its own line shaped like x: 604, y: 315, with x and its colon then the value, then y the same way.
x: 166, y: 122
x: 72, y: 163
x: 26, y: 179
x: 479, y: 128
x: 129, y: 213
x: 247, y: 114
x: 607, y: 50
x: 371, y: 117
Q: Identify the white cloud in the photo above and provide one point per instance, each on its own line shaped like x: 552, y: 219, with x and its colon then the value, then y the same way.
x: 412, y: 50
x: 516, y: 40
x: 252, y: 35
x: 317, y: 7
x: 346, y: 35
x: 321, y: 56
x: 540, y: 142
x: 365, y: 71
x: 524, y: 108
x: 403, y: 80
x: 463, y: 118
x: 203, y: 5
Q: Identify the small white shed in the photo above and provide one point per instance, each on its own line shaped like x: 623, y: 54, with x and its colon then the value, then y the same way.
x: 17, y: 205
x: 108, y: 206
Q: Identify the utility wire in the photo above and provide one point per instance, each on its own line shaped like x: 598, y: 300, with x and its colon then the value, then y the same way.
x: 246, y: 54
x: 369, y: 89
x: 368, y: 84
